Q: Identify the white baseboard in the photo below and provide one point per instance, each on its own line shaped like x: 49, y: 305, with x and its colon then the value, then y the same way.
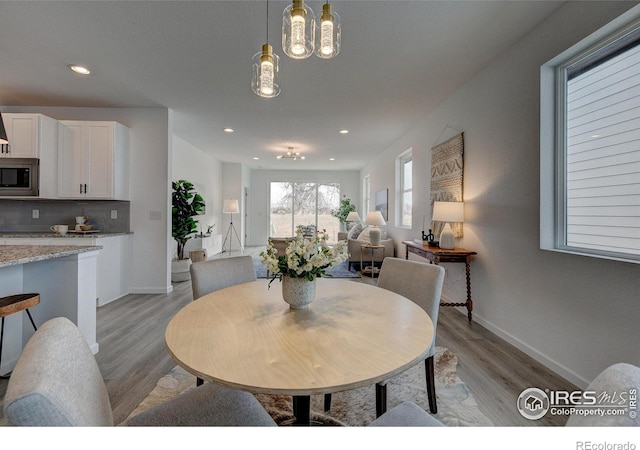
x: 149, y: 290
x: 550, y: 363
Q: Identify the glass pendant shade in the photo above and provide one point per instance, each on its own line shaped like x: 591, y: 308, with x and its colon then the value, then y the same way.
x: 266, y: 66
x: 328, y: 33
x: 298, y: 30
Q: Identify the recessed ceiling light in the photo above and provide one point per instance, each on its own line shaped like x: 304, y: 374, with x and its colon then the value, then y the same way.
x: 228, y: 130
x: 256, y: 158
x: 344, y: 131
x: 79, y: 69
x: 332, y: 159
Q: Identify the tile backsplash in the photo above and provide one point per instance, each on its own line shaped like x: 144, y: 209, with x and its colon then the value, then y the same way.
x: 17, y: 215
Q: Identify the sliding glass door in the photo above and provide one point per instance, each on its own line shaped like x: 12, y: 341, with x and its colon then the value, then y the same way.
x: 299, y: 203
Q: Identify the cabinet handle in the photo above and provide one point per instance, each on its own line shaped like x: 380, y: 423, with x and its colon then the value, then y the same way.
x: 81, y: 188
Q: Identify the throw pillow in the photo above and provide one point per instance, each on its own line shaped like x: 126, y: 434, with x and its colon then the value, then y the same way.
x: 364, y: 236
x: 355, y: 231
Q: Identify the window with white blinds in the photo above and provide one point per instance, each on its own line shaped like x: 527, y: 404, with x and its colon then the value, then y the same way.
x: 603, y: 148
x: 590, y: 145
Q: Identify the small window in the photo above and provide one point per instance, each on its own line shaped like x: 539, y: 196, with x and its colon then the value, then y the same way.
x: 596, y: 156
x: 366, y: 195
x: 405, y: 191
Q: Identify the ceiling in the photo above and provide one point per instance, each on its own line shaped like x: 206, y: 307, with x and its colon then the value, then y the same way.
x: 398, y: 61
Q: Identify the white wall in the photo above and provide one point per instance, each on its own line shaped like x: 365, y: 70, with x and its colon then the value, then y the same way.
x: 205, y: 172
x: 259, y: 194
x: 575, y: 314
x: 149, y: 147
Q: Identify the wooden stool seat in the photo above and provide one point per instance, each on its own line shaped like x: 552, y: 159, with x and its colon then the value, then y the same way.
x: 13, y: 304
x: 19, y: 302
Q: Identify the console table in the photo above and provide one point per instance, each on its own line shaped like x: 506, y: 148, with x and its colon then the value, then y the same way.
x: 436, y: 255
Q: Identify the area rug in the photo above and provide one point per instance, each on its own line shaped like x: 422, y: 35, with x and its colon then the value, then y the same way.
x: 338, y: 271
x: 456, y: 405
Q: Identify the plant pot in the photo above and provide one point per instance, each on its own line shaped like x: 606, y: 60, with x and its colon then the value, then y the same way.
x: 180, y: 270
x: 298, y: 292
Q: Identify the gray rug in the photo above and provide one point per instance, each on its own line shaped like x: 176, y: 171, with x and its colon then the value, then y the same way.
x: 456, y: 405
x: 338, y: 271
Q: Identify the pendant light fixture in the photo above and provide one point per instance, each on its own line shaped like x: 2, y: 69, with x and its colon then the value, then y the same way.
x: 266, y: 66
x: 3, y: 132
x: 298, y: 30
x: 328, y: 33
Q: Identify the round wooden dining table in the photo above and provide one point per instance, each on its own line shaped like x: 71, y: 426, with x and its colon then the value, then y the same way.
x: 246, y: 337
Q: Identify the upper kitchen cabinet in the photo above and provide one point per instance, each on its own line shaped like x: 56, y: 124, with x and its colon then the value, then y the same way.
x: 93, y: 160
x: 34, y: 136
x: 29, y: 135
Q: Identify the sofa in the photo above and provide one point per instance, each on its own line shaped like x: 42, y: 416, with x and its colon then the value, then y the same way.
x: 356, y: 238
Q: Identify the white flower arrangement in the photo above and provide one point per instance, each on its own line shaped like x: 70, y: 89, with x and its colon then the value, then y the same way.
x: 304, y: 257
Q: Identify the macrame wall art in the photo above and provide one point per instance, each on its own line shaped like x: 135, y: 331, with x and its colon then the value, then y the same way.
x: 447, y: 168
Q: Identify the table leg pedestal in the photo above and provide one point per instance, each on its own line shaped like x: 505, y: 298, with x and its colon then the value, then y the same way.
x: 381, y: 399
x: 302, y: 409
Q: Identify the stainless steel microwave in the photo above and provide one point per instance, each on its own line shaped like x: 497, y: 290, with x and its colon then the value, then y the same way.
x: 19, y: 177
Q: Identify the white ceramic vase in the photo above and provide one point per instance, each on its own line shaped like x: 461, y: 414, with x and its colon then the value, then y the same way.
x: 298, y: 292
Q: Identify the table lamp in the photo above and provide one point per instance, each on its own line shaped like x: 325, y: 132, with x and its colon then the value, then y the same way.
x: 353, y: 216
x: 375, y: 219
x: 448, y: 212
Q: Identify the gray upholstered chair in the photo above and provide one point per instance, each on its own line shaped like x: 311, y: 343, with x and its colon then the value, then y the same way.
x: 406, y: 414
x: 57, y: 382
x: 617, y: 378
x: 422, y: 283
x: 216, y: 274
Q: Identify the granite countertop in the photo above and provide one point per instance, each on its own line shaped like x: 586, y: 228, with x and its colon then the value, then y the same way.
x: 12, y: 255
x: 50, y: 234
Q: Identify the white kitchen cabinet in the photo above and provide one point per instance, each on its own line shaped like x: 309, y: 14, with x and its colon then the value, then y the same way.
x: 113, y: 261
x: 93, y: 160
x: 34, y: 136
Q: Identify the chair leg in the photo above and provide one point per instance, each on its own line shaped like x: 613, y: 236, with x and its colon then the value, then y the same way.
x: 431, y: 384
x: 327, y: 402
x: 31, y: 319
x: 381, y: 399
x: 2, y: 377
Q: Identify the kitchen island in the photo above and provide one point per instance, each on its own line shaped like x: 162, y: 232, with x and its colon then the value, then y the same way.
x: 65, y: 278
x: 114, y: 260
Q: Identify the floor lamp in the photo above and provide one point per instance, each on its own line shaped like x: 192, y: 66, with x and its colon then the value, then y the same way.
x: 231, y: 207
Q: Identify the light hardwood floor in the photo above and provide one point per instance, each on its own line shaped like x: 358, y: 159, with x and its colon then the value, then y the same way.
x: 133, y: 356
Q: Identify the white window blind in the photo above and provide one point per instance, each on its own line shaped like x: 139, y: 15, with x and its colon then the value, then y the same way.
x: 602, y: 159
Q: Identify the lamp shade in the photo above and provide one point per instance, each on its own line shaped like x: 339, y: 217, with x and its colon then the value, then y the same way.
x: 375, y: 218
x: 448, y: 211
x: 230, y: 206
x: 3, y: 132
x: 353, y: 216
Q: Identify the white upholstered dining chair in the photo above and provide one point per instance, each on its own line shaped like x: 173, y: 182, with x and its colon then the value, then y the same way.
x: 215, y: 274
x: 421, y: 283
x: 57, y: 382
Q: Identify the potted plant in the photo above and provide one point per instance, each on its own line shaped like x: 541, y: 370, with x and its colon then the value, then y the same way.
x: 341, y: 213
x: 185, y: 204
